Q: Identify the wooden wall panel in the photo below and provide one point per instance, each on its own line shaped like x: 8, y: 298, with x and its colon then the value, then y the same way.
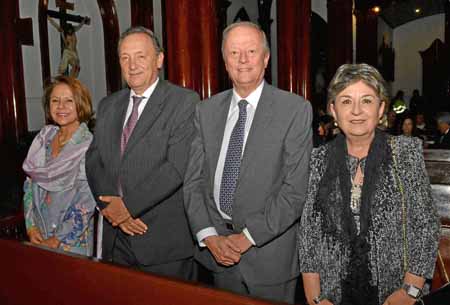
x: 294, y: 27
x: 142, y: 13
x: 366, y: 36
x: 13, y: 115
x: 111, y: 36
x: 340, y: 33
x: 192, y: 44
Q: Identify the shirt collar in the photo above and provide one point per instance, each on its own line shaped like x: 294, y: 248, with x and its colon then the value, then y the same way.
x: 252, y: 98
x: 148, y: 92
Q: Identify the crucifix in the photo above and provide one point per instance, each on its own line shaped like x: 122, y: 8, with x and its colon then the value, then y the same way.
x: 70, y: 62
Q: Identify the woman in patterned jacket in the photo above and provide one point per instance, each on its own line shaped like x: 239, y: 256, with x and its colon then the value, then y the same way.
x: 369, y: 230
x: 58, y: 203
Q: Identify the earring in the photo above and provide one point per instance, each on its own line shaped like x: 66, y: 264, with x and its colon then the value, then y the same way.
x: 335, y: 124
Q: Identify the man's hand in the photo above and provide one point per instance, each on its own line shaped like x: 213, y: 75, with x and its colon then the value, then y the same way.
x: 241, y: 241
x: 35, y: 235
x: 225, y: 252
x: 133, y: 226
x: 51, y: 242
x: 399, y: 297
x: 115, y: 212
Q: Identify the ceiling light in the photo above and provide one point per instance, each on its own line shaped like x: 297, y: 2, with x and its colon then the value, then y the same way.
x: 418, y: 10
x: 376, y: 9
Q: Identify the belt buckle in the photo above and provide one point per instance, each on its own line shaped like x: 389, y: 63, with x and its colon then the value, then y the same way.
x: 229, y: 226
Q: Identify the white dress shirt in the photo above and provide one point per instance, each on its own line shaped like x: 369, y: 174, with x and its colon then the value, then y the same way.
x: 146, y: 95
x: 232, y: 118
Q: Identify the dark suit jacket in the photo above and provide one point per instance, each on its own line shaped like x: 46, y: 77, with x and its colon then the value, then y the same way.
x: 443, y: 142
x: 150, y: 172
x: 272, y: 184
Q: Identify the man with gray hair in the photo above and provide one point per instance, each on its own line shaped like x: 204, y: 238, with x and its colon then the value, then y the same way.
x: 136, y: 163
x: 247, y: 175
x: 443, y: 126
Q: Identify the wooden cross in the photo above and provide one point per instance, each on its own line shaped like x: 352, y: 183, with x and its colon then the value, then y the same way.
x: 24, y: 28
x: 63, y: 16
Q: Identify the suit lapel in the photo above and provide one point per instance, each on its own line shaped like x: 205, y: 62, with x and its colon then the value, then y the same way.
x: 151, y: 112
x: 217, y: 129
x: 118, y: 120
x: 261, y: 120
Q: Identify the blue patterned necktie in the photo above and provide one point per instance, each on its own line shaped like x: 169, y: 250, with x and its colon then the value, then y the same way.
x: 232, y: 164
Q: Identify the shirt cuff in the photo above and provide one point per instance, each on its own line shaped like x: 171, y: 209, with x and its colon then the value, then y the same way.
x: 249, y: 237
x: 204, y: 233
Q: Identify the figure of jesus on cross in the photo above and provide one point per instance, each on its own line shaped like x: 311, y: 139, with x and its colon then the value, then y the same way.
x: 70, y: 61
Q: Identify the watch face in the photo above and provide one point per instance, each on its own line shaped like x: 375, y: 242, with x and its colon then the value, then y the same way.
x: 413, y: 291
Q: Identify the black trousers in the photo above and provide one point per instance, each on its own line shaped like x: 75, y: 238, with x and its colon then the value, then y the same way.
x: 122, y: 254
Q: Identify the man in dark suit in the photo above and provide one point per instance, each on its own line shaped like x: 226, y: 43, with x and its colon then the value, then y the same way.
x: 136, y: 163
x: 443, y: 125
x: 247, y: 175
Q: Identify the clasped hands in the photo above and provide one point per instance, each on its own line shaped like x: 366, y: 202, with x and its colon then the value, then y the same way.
x: 118, y: 215
x: 227, y: 250
x: 35, y: 237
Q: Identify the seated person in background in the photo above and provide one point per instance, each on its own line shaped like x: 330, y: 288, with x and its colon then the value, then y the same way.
x: 416, y: 103
x: 443, y: 125
x: 325, y: 129
x: 408, y: 128
x: 391, y: 122
x: 398, y: 102
x: 58, y: 203
x: 420, y: 123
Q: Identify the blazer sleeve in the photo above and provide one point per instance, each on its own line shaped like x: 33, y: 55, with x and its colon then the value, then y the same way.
x: 195, y: 182
x: 310, y: 237
x: 284, y: 207
x: 99, y: 179
x: 169, y: 177
x: 423, y: 225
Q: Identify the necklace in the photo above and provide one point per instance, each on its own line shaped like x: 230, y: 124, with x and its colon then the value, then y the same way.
x: 356, y: 191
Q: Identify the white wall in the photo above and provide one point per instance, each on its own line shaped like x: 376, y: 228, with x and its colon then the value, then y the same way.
x: 409, y: 39
x: 158, y: 29
x: 90, y: 50
x: 123, y: 14
x: 320, y: 8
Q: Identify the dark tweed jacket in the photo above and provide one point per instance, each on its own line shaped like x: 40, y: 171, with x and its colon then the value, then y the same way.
x: 327, y: 255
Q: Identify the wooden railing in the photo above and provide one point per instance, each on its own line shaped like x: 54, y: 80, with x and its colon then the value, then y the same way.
x: 13, y: 227
x: 32, y: 275
x: 438, y: 167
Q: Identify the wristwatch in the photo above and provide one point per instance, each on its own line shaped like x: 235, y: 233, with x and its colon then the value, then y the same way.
x: 412, y: 291
x: 318, y: 299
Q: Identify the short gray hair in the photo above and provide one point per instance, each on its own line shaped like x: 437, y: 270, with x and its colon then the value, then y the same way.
x: 443, y: 117
x: 348, y: 74
x: 247, y: 24
x: 140, y: 30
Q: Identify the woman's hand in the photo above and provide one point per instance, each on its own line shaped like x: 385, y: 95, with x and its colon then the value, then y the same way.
x: 51, y: 242
x: 35, y: 235
x: 399, y: 297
